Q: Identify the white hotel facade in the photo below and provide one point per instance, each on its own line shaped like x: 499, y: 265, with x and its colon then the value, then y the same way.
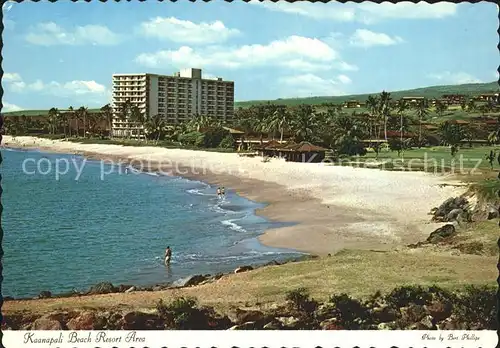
x: 177, y: 98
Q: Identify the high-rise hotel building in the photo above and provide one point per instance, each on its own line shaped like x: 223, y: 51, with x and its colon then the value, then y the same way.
x: 177, y: 98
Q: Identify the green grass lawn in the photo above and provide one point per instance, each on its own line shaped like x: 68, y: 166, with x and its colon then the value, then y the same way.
x: 432, y: 158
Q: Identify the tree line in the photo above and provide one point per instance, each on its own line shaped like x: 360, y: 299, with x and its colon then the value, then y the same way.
x: 330, y: 126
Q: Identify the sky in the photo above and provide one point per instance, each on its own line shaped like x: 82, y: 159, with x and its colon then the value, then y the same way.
x: 64, y: 53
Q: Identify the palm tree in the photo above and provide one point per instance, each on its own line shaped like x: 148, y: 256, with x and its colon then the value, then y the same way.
x: 279, y: 120
x: 471, y: 105
x: 124, y: 114
x: 93, y: 119
x: 441, y: 107
x: 303, y: 123
x: 451, y: 133
x: 402, y: 107
x: 156, y: 126
x: 70, y: 115
x: 53, y: 120
x: 372, y: 104
x: 258, y: 121
x: 63, y: 119
x: 463, y: 104
x: 384, y: 109
x: 347, y: 133
x: 138, y: 118
x: 107, y: 114
x: 82, y: 114
x: 422, y: 113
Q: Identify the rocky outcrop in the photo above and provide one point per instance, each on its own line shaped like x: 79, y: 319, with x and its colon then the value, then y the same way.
x: 190, y: 281
x: 45, y: 294
x: 453, y: 209
x: 441, y: 234
x: 84, y: 321
x: 102, y: 288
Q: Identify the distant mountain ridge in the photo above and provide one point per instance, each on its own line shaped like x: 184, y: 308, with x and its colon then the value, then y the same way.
x: 427, y: 92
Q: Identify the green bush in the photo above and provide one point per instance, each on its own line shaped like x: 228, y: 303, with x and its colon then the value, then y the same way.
x: 351, y: 312
x: 196, y: 139
x: 227, y: 142
x: 404, y: 295
x: 476, y: 307
x: 182, y: 313
x: 214, y: 136
x: 300, y: 301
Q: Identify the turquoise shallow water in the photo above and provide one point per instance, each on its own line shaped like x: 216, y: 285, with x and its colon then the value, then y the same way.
x: 69, y: 234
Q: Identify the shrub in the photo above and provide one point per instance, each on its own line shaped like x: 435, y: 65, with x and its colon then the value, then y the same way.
x: 404, y: 295
x: 182, y: 313
x: 214, y: 136
x: 192, y: 138
x: 352, y: 313
x: 300, y: 301
x: 476, y: 306
x: 227, y: 142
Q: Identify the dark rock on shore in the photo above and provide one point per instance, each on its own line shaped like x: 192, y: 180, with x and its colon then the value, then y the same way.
x: 242, y: 269
x: 441, y: 234
x: 84, y: 321
x: 453, y: 209
x: 45, y: 294
x: 189, y: 281
x: 102, y: 288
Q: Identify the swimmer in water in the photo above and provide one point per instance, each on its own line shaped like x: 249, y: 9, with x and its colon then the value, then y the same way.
x: 168, y: 255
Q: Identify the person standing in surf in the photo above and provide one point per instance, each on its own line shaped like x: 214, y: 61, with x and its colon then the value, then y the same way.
x: 168, y: 255
x: 219, y: 192
x: 222, y: 191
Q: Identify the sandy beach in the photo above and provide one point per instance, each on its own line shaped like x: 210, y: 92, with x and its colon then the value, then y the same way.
x: 333, y: 207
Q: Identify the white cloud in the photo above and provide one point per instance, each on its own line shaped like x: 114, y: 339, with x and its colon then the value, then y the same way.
x: 11, y: 77
x: 8, y: 107
x: 318, y: 10
x: 51, y: 34
x: 307, y: 85
x: 406, y: 10
x: 367, y: 38
x: 364, y: 12
x: 344, y: 79
x: 455, y: 78
x: 187, y: 32
x: 297, y: 52
x: 15, y: 83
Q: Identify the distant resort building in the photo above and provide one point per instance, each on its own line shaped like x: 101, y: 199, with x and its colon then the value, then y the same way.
x: 454, y: 99
x: 489, y: 97
x: 352, y: 104
x: 413, y: 100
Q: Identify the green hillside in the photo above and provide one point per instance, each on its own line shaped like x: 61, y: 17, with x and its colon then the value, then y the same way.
x: 427, y: 92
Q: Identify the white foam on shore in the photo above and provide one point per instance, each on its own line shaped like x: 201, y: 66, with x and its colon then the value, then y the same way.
x: 232, y: 225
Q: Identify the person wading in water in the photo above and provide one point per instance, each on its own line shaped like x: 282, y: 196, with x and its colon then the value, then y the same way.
x: 168, y: 255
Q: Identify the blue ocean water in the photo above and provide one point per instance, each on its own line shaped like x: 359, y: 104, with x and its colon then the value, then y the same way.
x: 62, y: 234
